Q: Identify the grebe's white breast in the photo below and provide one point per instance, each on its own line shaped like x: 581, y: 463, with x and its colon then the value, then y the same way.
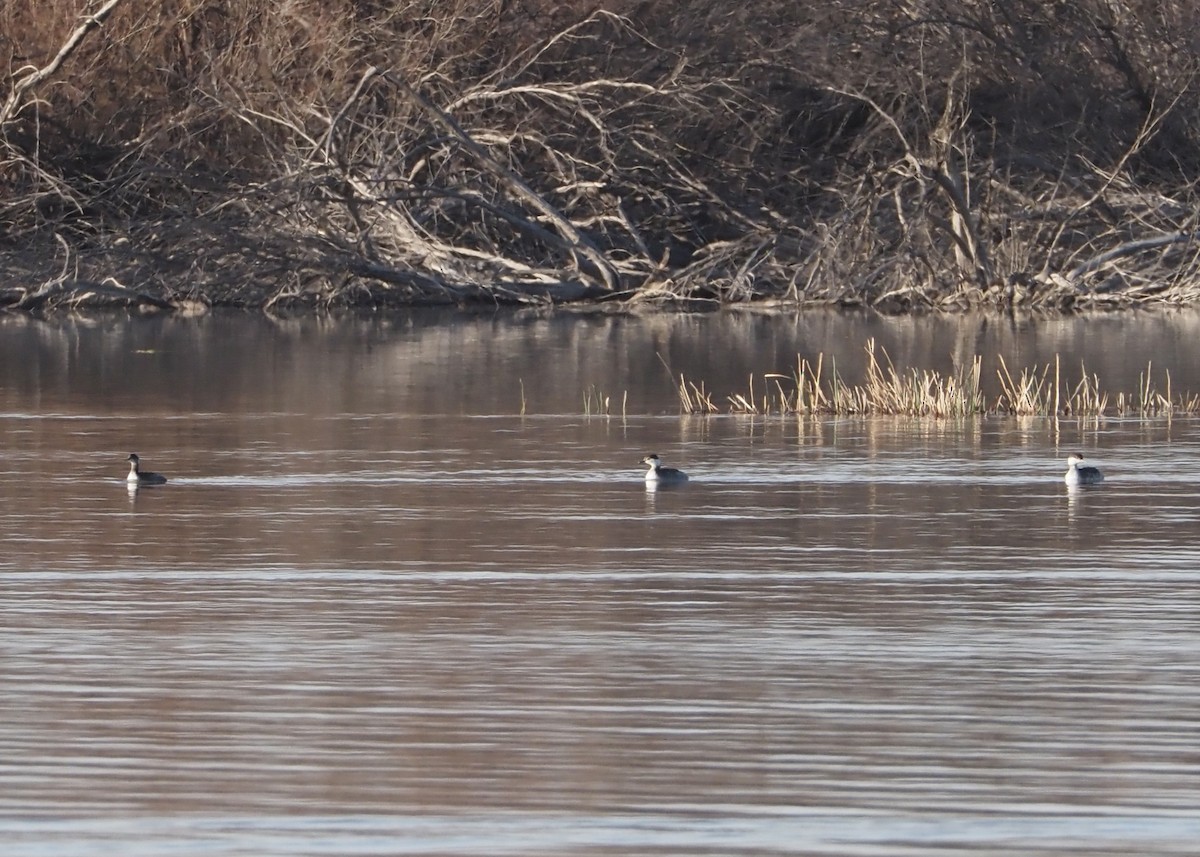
x: 1079, y: 473
x: 137, y: 476
x: 660, y: 475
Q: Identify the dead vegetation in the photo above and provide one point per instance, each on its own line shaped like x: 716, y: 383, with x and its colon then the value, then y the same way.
x: 897, y: 155
x: 816, y: 388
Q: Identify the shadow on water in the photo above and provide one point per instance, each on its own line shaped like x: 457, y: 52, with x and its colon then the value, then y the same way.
x: 376, y: 610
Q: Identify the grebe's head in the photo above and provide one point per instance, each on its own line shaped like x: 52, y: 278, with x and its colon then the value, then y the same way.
x: 133, y: 457
x: 652, y: 460
x: 1074, y: 458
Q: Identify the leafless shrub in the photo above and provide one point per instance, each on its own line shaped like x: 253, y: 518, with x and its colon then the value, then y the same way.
x: 941, y: 154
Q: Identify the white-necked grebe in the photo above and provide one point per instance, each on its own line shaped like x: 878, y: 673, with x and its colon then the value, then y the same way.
x: 662, y: 475
x: 137, y: 476
x: 1081, y: 475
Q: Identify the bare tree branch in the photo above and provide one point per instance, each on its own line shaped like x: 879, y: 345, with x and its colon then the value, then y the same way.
x: 36, y: 76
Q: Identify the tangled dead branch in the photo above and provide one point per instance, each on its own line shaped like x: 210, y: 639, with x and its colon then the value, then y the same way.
x: 468, y: 151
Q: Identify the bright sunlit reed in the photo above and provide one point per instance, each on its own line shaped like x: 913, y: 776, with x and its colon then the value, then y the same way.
x: 816, y: 387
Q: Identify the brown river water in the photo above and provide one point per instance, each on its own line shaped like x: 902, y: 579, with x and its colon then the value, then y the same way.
x: 377, y: 610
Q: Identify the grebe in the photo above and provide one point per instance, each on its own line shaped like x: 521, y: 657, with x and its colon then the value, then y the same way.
x: 660, y: 475
x: 138, y: 476
x: 1077, y: 475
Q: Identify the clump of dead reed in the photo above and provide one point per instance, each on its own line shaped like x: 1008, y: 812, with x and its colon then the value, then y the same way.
x: 597, y: 403
x: 1035, y: 392
x: 886, y: 390
x: 694, y: 399
x: 817, y: 388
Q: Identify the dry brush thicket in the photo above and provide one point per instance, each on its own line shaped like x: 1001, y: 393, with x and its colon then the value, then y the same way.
x: 892, y: 153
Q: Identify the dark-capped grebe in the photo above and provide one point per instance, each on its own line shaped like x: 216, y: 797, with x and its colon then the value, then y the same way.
x: 137, y: 476
x: 1077, y: 475
x: 660, y: 475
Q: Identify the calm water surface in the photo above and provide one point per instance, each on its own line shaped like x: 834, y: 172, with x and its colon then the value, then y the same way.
x: 379, y: 611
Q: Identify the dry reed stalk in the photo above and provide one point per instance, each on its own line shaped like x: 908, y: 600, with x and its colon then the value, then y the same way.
x: 782, y: 402
x: 1057, y: 403
x: 695, y: 400
x: 1087, y: 399
x: 813, y: 398
x: 1149, y: 400
x: 595, y: 403
x: 1028, y: 395
x: 738, y: 404
x: 748, y: 402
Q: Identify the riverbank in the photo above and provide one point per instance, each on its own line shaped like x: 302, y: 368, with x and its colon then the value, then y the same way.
x: 291, y: 156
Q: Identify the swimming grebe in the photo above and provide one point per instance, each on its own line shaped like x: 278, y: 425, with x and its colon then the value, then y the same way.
x: 662, y: 475
x: 137, y: 476
x: 1077, y: 475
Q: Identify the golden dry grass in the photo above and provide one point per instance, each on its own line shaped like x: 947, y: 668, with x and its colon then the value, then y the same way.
x: 816, y: 388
